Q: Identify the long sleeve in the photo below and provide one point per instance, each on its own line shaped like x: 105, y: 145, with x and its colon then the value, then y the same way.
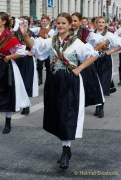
x: 35, y: 30
x: 118, y: 32
x: 94, y: 39
x: 114, y: 40
x: 41, y: 48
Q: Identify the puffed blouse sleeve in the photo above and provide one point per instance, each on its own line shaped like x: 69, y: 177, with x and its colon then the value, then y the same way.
x: 94, y: 38
x: 114, y: 40
x: 86, y: 50
x: 118, y: 32
x: 41, y: 46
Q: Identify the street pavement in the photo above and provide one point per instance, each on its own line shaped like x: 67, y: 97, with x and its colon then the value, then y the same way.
x: 30, y: 153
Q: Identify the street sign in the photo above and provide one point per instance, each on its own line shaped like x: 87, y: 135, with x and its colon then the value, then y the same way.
x: 50, y: 3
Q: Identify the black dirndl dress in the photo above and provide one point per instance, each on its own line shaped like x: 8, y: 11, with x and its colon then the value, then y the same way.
x: 26, y: 67
x: 7, y: 87
x: 61, y: 104
x: 92, y: 86
x: 104, y: 70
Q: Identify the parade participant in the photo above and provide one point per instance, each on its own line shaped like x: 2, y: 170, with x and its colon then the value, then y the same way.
x: 13, y: 95
x: 63, y: 91
x: 43, y: 31
x: 92, y: 87
x: 104, y: 66
x: 12, y: 22
x: 27, y: 65
x: 91, y: 24
x: 84, y: 22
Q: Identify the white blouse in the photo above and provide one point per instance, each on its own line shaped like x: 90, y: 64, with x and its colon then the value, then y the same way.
x: 95, y: 38
x: 118, y: 32
x: 19, y: 49
x: 43, y: 48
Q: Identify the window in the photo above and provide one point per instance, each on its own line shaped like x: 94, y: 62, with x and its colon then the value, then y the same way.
x: 8, y: 6
x: 88, y: 8
x: 61, y: 6
x: 94, y: 7
x: 68, y: 5
x: 33, y: 8
x: 21, y: 7
x: 75, y: 5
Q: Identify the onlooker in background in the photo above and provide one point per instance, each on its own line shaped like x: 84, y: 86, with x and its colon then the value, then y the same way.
x: 84, y: 22
x: 91, y: 24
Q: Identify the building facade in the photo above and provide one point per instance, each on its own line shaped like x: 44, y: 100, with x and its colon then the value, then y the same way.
x: 114, y: 9
x: 35, y: 8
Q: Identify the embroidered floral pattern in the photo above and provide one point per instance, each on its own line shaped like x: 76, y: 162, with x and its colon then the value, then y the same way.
x: 59, y: 48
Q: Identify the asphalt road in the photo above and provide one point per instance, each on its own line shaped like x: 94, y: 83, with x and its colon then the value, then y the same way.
x: 30, y: 153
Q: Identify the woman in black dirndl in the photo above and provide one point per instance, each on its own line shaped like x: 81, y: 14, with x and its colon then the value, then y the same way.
x: 104, y: 64
x: 27, y: 65
x: 63, y: 91
x: 12, y: 91
x: 93, y: 90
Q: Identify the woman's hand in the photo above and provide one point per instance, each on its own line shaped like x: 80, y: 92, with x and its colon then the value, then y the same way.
x: 101, y: 46
x: 6, y: 58
x: 113, y: 50
x: 29, y: 53
x: 76, y: 71
x: 11, y: 57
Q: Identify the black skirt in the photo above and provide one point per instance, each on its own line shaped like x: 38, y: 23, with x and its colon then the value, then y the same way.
x: 7, y: 87
x: 92, y: 86
x: 26, y: 67
x: 104, y: 70
x: 61, y: 104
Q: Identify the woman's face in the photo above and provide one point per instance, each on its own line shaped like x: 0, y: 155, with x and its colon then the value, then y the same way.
x: 75, y: 22
x: 2, y: 23
x: 24, y: 23
x: 84, y: 22
x: 100, y: 25
x: 63, y: 26
x: 44, y: 22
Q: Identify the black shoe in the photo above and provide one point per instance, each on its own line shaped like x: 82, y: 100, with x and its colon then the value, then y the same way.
x: 40, y: 78
x: 40, y: 82
x: 6, y: 130
x: 7, y: 127
x: 96, y: 111
x: 112, y: 90
x: 101, y: 113
x: 25, y: 111
x: 119, y: 84
x: 65, y: 157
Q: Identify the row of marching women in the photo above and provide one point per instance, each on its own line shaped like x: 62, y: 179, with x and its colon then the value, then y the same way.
x: 98, y: 77
x: 79, y: 60
x: 70, y: 54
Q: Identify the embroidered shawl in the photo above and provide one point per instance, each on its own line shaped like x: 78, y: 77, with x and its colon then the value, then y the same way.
x: 7, y: 41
